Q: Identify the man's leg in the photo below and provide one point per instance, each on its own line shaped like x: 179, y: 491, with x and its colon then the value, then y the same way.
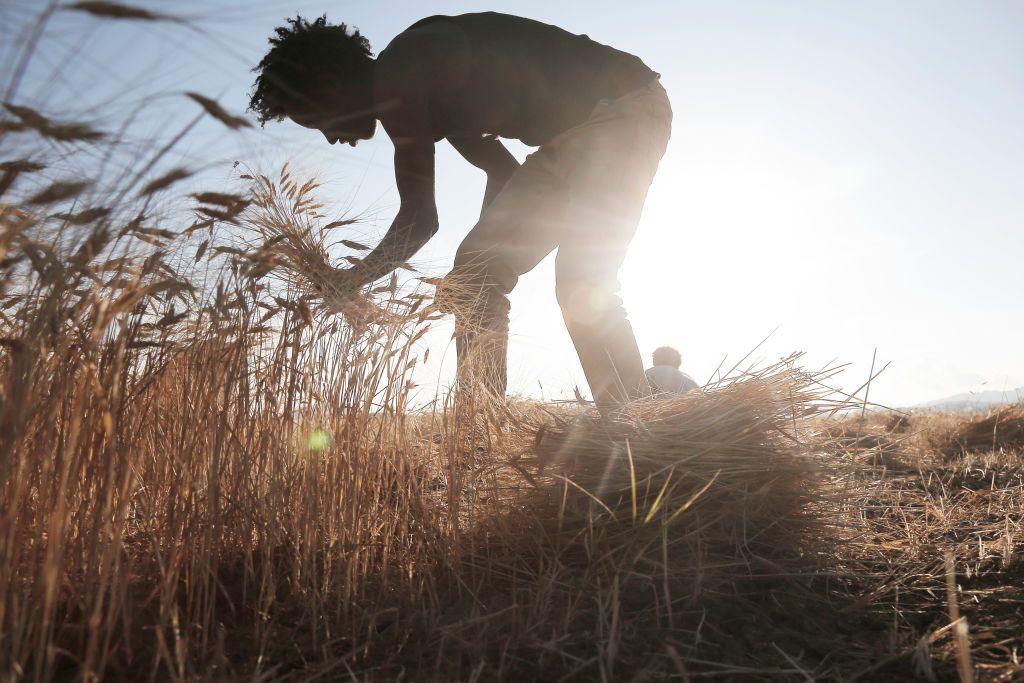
x: 612, y: 164
x: 523, y: 224
x: 587, y: 288
x: 608, y: 354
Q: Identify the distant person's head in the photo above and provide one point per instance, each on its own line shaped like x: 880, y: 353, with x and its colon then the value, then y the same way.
x: 666, y: 355
x: 319, y: 75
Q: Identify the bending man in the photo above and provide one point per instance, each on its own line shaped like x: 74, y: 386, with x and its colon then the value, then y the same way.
x: 601, y: 122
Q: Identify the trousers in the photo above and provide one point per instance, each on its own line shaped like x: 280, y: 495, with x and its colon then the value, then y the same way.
x: 582, y: 193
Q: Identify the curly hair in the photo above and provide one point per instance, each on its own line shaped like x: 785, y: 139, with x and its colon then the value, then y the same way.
x: 299, y: 53
x: 666, y: 355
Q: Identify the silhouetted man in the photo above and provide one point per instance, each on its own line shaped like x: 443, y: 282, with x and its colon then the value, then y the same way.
x: 600, y: 119
x: 665, y: 376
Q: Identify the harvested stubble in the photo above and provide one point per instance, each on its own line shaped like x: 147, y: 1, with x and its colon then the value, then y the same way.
x: 899, y: 524
x: 873, y: 440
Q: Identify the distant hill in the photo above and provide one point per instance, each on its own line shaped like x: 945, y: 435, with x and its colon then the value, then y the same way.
x: 976, y: 400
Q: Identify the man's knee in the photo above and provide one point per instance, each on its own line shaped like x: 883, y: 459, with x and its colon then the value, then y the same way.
x: 482, y: 271
x: 467, y: 258
x: 476, y: 289
x: 588, y: 301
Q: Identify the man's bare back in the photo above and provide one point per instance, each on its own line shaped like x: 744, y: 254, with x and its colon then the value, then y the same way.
x: 491, y: 73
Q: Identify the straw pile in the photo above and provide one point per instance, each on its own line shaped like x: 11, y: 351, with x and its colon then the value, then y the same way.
x: 728, y: 458
x: 999, y: 430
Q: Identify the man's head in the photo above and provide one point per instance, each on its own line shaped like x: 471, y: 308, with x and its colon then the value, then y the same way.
x: 320, y: 76
x: 666, y: 355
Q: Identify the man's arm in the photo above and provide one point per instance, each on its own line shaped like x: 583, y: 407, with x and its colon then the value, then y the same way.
x: 416, y: 221
x: 490, y: 156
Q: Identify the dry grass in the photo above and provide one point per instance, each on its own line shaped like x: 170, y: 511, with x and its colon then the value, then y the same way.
x: 210, y: 475
x: 230, y: 484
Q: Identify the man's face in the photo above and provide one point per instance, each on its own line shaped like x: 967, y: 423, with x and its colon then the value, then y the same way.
x: 338, y: 125
x: 338, y: 117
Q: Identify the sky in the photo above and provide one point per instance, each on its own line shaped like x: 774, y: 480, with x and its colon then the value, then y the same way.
x: 844, y: 178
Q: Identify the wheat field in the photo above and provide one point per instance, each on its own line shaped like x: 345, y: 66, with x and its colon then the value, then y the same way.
x: 210, y: 474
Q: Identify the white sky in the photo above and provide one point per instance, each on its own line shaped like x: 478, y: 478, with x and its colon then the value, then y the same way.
x: 850, y: 173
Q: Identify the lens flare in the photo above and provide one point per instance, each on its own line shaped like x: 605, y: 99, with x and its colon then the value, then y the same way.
x: 318, y: 441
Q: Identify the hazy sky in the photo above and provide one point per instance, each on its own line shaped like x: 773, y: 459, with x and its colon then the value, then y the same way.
x: 849, y: 174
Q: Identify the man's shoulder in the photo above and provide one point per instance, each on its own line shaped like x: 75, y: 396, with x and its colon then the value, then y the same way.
x: 664, y: 373
x: 472, y: 20
x: 432, y: 34
x: 432, y: 19
x: 446, y: 32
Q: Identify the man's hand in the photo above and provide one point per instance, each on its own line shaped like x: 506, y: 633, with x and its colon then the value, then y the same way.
x: 341, y: 291
x: 342, y: 295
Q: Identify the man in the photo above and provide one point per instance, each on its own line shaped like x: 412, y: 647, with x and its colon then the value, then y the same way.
x: 600, y: 119
x: 666, y: 377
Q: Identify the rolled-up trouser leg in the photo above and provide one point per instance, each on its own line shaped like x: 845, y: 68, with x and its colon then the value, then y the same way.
x: 481, y: 330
